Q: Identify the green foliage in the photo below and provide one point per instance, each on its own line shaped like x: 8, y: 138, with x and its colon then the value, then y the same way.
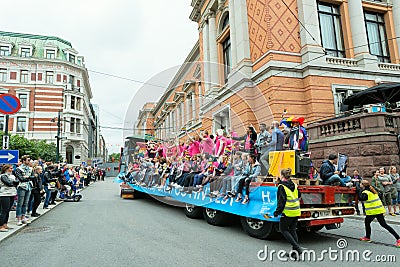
x: 35, y: 148
x: 115, y: 156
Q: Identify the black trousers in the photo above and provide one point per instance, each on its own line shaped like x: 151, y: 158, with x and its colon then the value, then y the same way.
x: 53, y: 197
x: 287, y: 226
x: 5, y: 207
x: 36, y: 200
x: 382, y: 222
x: 244, y: 182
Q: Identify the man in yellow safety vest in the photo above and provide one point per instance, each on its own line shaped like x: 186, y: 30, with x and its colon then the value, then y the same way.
x: 289, y: 207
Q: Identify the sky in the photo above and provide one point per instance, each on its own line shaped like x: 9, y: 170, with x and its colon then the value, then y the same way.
x: 134, y: 39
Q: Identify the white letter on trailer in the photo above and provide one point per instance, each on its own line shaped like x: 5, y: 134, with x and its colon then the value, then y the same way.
x: 263, y: 195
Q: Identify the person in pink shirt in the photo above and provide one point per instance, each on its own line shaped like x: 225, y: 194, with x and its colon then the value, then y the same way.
x: 220, y: 143
x: 207, y: 143
x: 181, y: 148
x: 194, y: 146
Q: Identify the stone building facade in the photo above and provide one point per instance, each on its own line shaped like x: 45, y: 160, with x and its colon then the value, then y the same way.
x: 257, y: 61
x: 48, y: 76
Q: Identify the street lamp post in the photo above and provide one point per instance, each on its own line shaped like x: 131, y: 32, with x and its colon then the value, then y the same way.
x: 58, y: 137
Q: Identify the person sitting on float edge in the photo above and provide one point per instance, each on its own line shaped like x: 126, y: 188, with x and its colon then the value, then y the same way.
x: 374, y: 209
x: 252, y: 171
x: 289, y: 207
x: 329, y: 174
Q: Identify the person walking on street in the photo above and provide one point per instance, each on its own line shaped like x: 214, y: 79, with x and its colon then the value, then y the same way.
x: 289, y: 207
x: 24, y: 175
x: 374, y: 209
x: 7, y: 194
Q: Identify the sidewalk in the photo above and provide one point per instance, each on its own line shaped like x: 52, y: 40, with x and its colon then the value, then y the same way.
x: 388, y: 218
x: 13, y: 223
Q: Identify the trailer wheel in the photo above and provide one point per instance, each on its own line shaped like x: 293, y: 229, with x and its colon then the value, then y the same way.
x: 193, y: 212
x: 215, y: 217
x: 259, y: 229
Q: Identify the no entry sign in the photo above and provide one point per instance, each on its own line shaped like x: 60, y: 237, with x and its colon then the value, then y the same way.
x: 9, y: 104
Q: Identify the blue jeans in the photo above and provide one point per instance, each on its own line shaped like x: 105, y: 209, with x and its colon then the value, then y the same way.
x: 22, y: 203
x: 47, y: 198
x: 333, y: 179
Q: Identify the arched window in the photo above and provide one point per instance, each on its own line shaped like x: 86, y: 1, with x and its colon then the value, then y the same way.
x: 225, y: 22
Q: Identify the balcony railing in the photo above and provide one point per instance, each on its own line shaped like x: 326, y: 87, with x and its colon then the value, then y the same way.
x: 357, y: 124
x: 348, y: 62
x: 388, y: 66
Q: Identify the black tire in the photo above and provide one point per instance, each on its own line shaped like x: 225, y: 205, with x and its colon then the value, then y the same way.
x: 77, y: 198
x: 193, y: 212
x: 216, y: 217
x: 259, y: 229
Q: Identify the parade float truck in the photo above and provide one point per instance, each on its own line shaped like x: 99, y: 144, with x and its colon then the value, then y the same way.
x: 321, y: 205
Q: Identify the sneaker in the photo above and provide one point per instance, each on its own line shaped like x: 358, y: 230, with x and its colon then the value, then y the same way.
x: 392, y: 214
x: 36, y: 214
x: 398, y: 243
x: 3, y: 230
x: 245, y: 201
x: 349, y: 184
x: 397, y: 213
x: 19, y: 223
x: 366, y: 239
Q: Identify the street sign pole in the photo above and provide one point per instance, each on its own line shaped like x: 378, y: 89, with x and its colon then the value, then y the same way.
x: 58, y: 138
x: 6, y: 138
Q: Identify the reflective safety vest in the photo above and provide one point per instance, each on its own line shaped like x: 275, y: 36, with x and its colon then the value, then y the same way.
x: 292, y: 206
x: 373, y: 205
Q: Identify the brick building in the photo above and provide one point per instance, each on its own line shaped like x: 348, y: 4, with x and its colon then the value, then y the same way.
x: 144, y: 124
x: 256, y: 59
x: 48, y: 76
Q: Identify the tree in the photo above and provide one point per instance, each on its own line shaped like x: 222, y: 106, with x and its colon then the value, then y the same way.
x: 34, y: 148
x: 115, y: 156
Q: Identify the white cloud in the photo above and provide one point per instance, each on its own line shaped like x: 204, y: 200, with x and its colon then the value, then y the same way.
x: 136, y: 39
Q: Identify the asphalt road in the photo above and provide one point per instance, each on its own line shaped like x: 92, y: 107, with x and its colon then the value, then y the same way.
x: 104, y: 230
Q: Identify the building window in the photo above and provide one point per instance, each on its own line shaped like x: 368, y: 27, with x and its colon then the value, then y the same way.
x: 78, y: 125
x: 331, y: 29
x: 51, y: 54
x: 49, y: 77
x: 72, y: 125
x: 2, y: 123
x: 71, y: 80
x: 71, y: 58
x: 23, y: 98
x: 376, y: 34
x: 78, y: 103
x: 21, y: 124
x: 4, y: 51
x: 226, y: 49
x: 24, y: 76
x: 72, y: 102
x: 3, y: 75
x: 25, y: 52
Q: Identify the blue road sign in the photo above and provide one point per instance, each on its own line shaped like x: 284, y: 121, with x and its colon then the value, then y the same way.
x: 9, y: 156
x: 9, y: 104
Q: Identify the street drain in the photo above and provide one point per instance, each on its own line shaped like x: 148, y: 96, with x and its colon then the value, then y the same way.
x: 35, y: 229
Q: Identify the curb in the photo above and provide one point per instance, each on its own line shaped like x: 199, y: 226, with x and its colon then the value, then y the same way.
x: 387, y: 219
x: 18, y: 229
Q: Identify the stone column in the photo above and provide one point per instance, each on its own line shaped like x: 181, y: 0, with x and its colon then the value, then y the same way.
x: 232, y: 33
x: 241, y: 26
x: 357, y: 23
x: 309, y: 34
x: 206, y: 56
x: 396, y: 21
x: 194, y: 107
x: 213, y: 50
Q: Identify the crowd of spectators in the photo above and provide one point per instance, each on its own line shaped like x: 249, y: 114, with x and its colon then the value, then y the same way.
x: 24, y: 186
